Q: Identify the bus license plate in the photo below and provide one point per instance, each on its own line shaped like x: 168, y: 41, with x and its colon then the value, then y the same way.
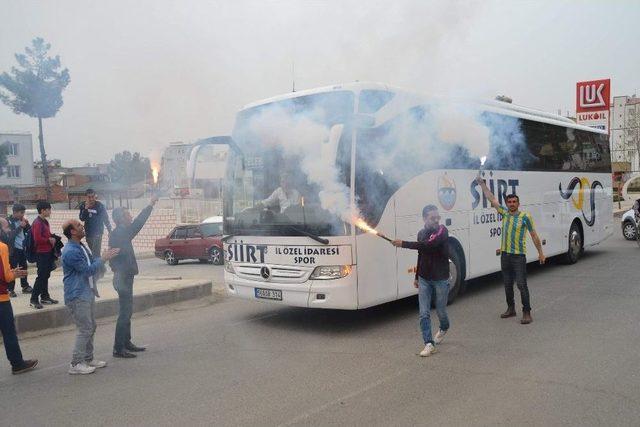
x: 274, y: 294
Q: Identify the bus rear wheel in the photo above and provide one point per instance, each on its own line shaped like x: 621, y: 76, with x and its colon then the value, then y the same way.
x: 456, y: 275
x: 575, y: 245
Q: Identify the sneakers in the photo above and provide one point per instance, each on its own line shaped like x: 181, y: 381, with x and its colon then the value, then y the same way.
x: 429, y: 349
x: 81, y: 369
x: 439, y: 336
x: 96, y: 364
x: 36, y: 305
x: 48, y: 301
x: 27, y: 289
x: 26, y: 366
x: 12, y: 294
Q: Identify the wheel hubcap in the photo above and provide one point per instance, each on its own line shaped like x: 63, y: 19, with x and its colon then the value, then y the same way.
x: 575, y: 243
x: 215, y: 256
x: 453, y: 275
x: 629, y: 231
x: 170, y: 257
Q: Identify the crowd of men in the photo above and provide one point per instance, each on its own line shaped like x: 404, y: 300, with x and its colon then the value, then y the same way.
x: 82, y: 264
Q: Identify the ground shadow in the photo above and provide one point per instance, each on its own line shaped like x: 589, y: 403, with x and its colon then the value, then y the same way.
x: 342, y: 321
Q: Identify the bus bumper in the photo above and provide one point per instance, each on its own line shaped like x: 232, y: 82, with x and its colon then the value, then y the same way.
x: 334, y: 294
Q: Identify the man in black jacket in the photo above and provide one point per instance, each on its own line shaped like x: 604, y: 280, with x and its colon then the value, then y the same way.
x: 432, y: 275
x: 95, y: 218
x: 19, y: 227
x: 125, y: 268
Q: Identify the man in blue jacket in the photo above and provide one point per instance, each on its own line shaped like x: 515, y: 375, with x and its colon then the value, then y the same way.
x: 80, y: 269
x: 95, y: 218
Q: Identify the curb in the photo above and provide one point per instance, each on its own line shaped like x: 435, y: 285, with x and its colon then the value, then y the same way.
x: 60, y: 316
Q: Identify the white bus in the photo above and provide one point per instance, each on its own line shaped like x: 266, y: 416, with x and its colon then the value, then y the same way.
x: 386, y: 156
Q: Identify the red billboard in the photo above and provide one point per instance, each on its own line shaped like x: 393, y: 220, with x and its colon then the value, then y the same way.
x: 593, y: 102
x: 593, y: 95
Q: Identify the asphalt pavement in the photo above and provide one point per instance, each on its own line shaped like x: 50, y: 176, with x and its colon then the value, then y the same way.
x: 238, y: 362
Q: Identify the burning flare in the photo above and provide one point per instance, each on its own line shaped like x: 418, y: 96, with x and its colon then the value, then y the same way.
x: 155, y: 171
x: 361, y: 224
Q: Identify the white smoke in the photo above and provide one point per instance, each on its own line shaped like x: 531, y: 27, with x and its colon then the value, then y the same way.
x: 458, y: 124
x: 315, y: 145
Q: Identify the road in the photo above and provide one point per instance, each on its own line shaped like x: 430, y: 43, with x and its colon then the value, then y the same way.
x: 243, y: 363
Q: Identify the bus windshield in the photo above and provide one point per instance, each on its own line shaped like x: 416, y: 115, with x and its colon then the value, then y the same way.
x: 289, y: 154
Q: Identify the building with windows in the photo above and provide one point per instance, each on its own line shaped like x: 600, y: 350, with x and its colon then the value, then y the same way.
x: 19, y: 169
x: 173, y: 166
x: 625, y: 133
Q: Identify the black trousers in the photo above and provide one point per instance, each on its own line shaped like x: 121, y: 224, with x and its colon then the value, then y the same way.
x: 514, y: 268
x: 9, y: 336
x: 44, y: 262
x: 123, y: 284
x: 18, y: 259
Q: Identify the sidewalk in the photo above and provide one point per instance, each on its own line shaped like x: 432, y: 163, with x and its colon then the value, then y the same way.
x: 148, y: 292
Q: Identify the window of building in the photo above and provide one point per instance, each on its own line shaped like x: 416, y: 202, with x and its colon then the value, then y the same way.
x: 13, y: 171
x: 13, y: 148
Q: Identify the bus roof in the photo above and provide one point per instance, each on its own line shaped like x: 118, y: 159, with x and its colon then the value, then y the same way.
x: 489, y: 105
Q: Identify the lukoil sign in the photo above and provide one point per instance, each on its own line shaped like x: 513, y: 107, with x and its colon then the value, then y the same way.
x: 593, y: 102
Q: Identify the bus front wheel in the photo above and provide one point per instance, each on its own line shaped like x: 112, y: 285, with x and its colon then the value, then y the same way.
x: 456, y: 275
x: 575, y: 244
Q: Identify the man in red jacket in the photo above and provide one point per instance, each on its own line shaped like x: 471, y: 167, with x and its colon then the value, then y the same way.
x: 7, y: 321
x: 432, y: 275
x: 43, y: 245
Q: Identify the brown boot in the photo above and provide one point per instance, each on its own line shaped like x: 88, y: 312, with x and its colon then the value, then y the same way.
x: 526, y: 318
x: 511, y: 312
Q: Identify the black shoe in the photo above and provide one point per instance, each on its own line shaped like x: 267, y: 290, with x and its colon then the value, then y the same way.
x: 36, y: 305
x: 133, y: 347
x: 48, y: 301
x: 27, y: 365
x: 124, y: 354
x: 12, y: 294
x: 27, y: 289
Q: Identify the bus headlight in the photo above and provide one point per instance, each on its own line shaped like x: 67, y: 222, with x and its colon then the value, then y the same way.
x: 229, y: 268
x: 327, y: 272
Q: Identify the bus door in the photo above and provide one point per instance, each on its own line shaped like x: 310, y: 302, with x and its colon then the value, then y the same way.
x: 407, y: 228
x: 485, y: 232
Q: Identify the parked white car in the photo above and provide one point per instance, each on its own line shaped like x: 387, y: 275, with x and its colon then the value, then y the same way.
x: 629, y: 226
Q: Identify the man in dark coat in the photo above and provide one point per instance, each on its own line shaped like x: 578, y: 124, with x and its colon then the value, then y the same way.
x: 125, y: 268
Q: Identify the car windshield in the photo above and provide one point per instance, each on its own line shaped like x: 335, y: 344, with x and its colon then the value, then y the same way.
x: 274, y: 185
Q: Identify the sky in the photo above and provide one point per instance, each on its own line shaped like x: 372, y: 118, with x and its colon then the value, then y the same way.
x: 147, y: 73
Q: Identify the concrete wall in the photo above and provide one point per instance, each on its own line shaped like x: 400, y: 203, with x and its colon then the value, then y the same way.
x: 158, y: 225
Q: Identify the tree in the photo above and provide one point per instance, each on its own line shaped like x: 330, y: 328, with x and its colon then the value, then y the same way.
x: 127, y: 168
x: 35, y: 88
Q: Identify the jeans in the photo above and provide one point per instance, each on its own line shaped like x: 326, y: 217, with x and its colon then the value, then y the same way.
x: 95, y: 244
x: 514, y: 267
x: 83, y: 314
x: 9, y: 336
x: 123, y: 284
x: 44, y: 263
x: 18, y: 259
x: 425, y: 290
